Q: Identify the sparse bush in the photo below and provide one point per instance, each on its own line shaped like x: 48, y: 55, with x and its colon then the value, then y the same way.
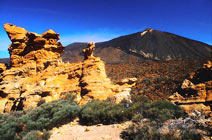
x: 139, y: 99
x: 190, y: 135
x: 156, y: 113
x: 161, y: 111
x: 149, y: 131
x: 107, y: 112
x: 23, y: 124
x: 104, y: 112
x: 70, y: 96
x: 51, y: 114
x: 37, y: 135
x: 46, y: 116
x: 189, y: 128
x: 140, y: 132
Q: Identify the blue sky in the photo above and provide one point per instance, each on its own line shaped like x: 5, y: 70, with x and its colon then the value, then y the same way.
x: 101, y: 20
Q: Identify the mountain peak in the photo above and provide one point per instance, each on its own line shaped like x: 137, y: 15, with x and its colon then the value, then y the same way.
x: 146, y: 31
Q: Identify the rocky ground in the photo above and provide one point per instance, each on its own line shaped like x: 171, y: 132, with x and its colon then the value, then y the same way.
x: 156, y: 80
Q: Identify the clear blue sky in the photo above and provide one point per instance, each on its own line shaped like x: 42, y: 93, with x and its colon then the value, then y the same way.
x: 101, y: 20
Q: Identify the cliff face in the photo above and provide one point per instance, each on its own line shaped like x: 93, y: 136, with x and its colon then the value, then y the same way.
x: 37, y: 73
x: 195, y: 93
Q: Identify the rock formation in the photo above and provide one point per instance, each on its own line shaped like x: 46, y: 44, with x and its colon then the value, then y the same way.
x: 3, y: 67
x: 88, y: 52
x: 195, y: 93
x: 31, y: 49
x: 37, y: 73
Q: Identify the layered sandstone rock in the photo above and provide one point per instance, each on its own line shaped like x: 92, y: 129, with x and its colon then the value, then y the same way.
x: 3, y: 67
x: 88, y: 52
x: 37, y: 74
x: 28, y: 48
x: 195, y: 92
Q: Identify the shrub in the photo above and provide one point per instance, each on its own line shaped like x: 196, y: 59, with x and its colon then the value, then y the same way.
x: 37, y: 135
x: 52, y: 114
x: 23, y: 124
x: 104, y: 112
x: 107, y: 112
x: 140, y: 132
x: 46, y: 116
x: 156, y: 113
x: 149, y: 131
x: 190, y: 135
x: 161, y: 111
x: 139, y: 99
x: 181, y: 129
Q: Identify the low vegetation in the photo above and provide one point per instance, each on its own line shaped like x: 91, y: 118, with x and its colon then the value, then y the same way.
x: 19, y: 125
x: 23, y: 124
x: 152, y: 128
x: 106, y: 112
x: 148, y: 118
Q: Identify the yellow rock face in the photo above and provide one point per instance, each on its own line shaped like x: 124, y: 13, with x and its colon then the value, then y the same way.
x: 37, y: 74
x: 195, y: 92
x: 3, y: 67
x: 15, y: 33
x: 29, y: 48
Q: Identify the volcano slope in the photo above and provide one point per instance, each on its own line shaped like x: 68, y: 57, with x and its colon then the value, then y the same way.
x: 146, y: 45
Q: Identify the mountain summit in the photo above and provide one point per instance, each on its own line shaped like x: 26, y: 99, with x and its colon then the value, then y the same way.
x: 149, y: 44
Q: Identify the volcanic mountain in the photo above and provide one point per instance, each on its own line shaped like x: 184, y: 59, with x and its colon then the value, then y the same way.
x: 5, y: 60
x: 146, y: 45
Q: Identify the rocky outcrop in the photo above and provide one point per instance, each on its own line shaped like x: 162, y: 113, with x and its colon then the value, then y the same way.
x: 3, y: 67
x: 28, y: 48
x: 38, y: 75
x: 195, y: 93
x: 88, y: 52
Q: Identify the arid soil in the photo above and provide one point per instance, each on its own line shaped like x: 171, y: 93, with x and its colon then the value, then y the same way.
x: 73, y: 131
